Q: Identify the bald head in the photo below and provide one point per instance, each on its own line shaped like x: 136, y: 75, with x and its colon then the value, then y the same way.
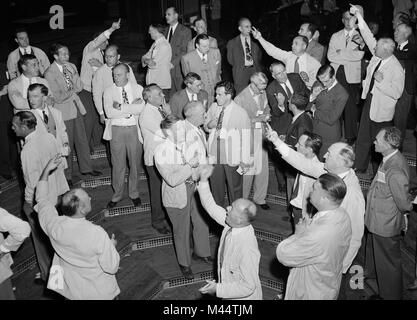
x: 195, y: 112
x: 245, y: 27
x: 385, y: 48
x: 241, y: 213
x: 76, y: 203
x: 111, y: 55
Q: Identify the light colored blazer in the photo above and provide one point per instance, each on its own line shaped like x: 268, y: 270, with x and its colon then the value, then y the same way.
x: 160, y: 74
x: 174, y: 172
x: 14, y: 57
x: 149, y: 123
x: 66, y: 101
x: 386, y: 93
x: 196, y: 142
x: 239, y: 273
x: 307, y: 63
x: 18, y: 230
x: 350, y: 57
x: 17, y: 97
x: 353, y: 203
x: 212, y: 44
x: 112, y: 94
x: 61, y: 130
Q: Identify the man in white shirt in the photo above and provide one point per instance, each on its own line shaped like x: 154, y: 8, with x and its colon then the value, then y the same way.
x: 17, y: 231
x: 238, y: 256
x: 22, y: 39
x: 317, y: 249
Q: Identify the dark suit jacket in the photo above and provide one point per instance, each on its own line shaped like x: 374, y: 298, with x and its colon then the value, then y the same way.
x: 329, y: 109
x: 408, y: 58
x: 180, y: 99
x: 280, y: 121
x: 236, y: 58
x: 296, y: 129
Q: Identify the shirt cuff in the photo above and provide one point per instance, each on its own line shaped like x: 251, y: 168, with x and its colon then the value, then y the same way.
x: 284, y: 149
x: 3, y: 249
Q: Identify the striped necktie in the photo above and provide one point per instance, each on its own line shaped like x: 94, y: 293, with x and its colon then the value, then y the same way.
x: 220, y: 122
x: 124, y: 96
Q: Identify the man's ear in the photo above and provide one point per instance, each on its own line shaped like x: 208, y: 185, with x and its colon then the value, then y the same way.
x: 15, y: 39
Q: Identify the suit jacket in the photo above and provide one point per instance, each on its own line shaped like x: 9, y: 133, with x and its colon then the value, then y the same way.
x: 329, y: 108
x: 209, y: 72
x: 56, y: 127
x: 350, y: 57
x: 112, y: 94
x: 160, y: 74
x: 196, y: 142
x: 280, y: 121
x: 212, y: 44
x: 180, y: 99
x: 297, y: 128
x: 236, y: 58
x: 408, y: 58
x: 14, y: 57
x: 386, y: 93
x: 387, y: 197
x: 307, y: 63
x: 17, y: 97
x: 316, y: 50
x: 66, y: 101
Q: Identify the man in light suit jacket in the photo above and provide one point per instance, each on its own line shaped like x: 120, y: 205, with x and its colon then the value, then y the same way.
x: 206, y: 62
x: 178, y: 37
x: 387, y: 202
x: 22, y: 39
x: 328, y: 107
x: 193, y: 92
x: 18, y: 87
x: 158, y: 59
x: 49, y: 119
x: 65, y: 83
x: 297, y: 60
x: 244, y: 55
x: 238, y: 256
x: 253, y: 99
x: 123, y: 103
x: 200, y: 26
x: 314, y: 48
x: 345, y: 54
x: 383, y: 86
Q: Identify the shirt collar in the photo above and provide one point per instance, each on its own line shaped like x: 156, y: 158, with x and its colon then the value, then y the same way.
x: 321, y: 214
x: 296, y: 117
x: 236, y: 231
x: 174, y: 27
x: 59, y: 67
x: 127, y: 87
x: 24, y: 50
x: 386, y: 158
x: 343, y: 175
x: 201, y: 55
x: 402, y: 45
x: 333, y: 85
x: 243, y: 38
x: 189, y: 94
x: 159, y: 40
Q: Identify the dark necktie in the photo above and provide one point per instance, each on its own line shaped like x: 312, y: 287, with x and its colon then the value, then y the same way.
x: 124, y: 96
x: 248, y: 53
x: 294, y: 193
x: 45, y: 117
x: 170, y: 34
x: 296, y: 66
x: 223, y: 246
x: 371, y: 85
x: 67, y: 76
x: 220, y: 122
x: 288, y: 91
x: 204, y: 58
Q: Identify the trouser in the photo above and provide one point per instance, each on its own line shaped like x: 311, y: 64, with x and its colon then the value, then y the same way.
x: 259, y: 181
x: 176, y: 80
x: 279, y: 166
x: 77, y: 140
x: 244, y: 79
x: 6, y: 290
x: 224, y: 174
x: 350, y: 113
x: 181, y: 220
x: 296, y: 216
x: 383, y: 262
x: 91, y: 119
x: 402, y: 110
x: 8, y: 147
x: 125, y: 143
x: 368, y: 130
x: 155, y: 185
x: 41, y: 242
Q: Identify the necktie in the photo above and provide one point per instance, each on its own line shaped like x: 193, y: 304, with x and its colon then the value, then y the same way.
x: 162, y: 112
x: 222, y: 249
x: 288, y: 91
x: 296, y: 188
x: 204, y: 58
x: 170, y: 34
x: 248, y: 53
x: 347, y: 39
x: 67, y: 76
x: 124, y: 96
x: 371, y: 85
x: 45, y: 117
x: 194, y: 97
x: 220, y: 122
x: 296, y: 66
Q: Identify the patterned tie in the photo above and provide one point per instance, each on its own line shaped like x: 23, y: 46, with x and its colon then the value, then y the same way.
x: 222, y: 249
x: 67, y: 76
x: 347, y: 39
x: 248, y: 53
x: 162, y: 112
x: 296, y: 66
x: 220, y: 122
x: 45, y: 117
x: 124, y: 96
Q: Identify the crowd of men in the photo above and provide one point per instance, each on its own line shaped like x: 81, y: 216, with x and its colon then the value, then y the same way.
x: 199, y: 137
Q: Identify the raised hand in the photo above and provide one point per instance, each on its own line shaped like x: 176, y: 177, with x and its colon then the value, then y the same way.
x: 113, y: 239
x: 379, y: 76
x: 256, y: 33
x: 280, y: 98
x: 116, y: 25
x: 206, y: 171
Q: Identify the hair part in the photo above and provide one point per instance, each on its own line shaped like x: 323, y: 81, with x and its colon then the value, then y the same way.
x: 334, y: 186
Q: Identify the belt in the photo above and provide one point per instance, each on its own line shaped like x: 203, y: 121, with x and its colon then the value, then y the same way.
x: 126, y: 127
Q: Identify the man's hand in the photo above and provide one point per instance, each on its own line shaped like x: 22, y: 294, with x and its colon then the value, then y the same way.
x: 194, y: 161
x: 209, y: 288
x: 304, y: 76
x: 246, y: 167
x: 271, y: 134
x: 280, y: 98
x: 213, y: 123
x: 206, y: 171
x: 137, y: 101
x: 379, y: 76
x: 102, y: 119
x: 51, y: 166
x: 358, y: 40
x: 94, y: 62
x: 256, y: 33
x: 354, y: 10
x: 166, y: 107
x: 113, y: 240
x: 261, y: 118
x: 117, y: 105
x: 116, y: 25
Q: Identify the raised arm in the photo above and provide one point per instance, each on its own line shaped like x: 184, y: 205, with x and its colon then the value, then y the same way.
x: 17, y: 229
x: 207, y: 200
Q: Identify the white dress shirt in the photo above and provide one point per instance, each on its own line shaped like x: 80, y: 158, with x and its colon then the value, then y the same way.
x: 26, y: 50
x: 173, y: 28
x: 191, y: 96
x: 125, y: 122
